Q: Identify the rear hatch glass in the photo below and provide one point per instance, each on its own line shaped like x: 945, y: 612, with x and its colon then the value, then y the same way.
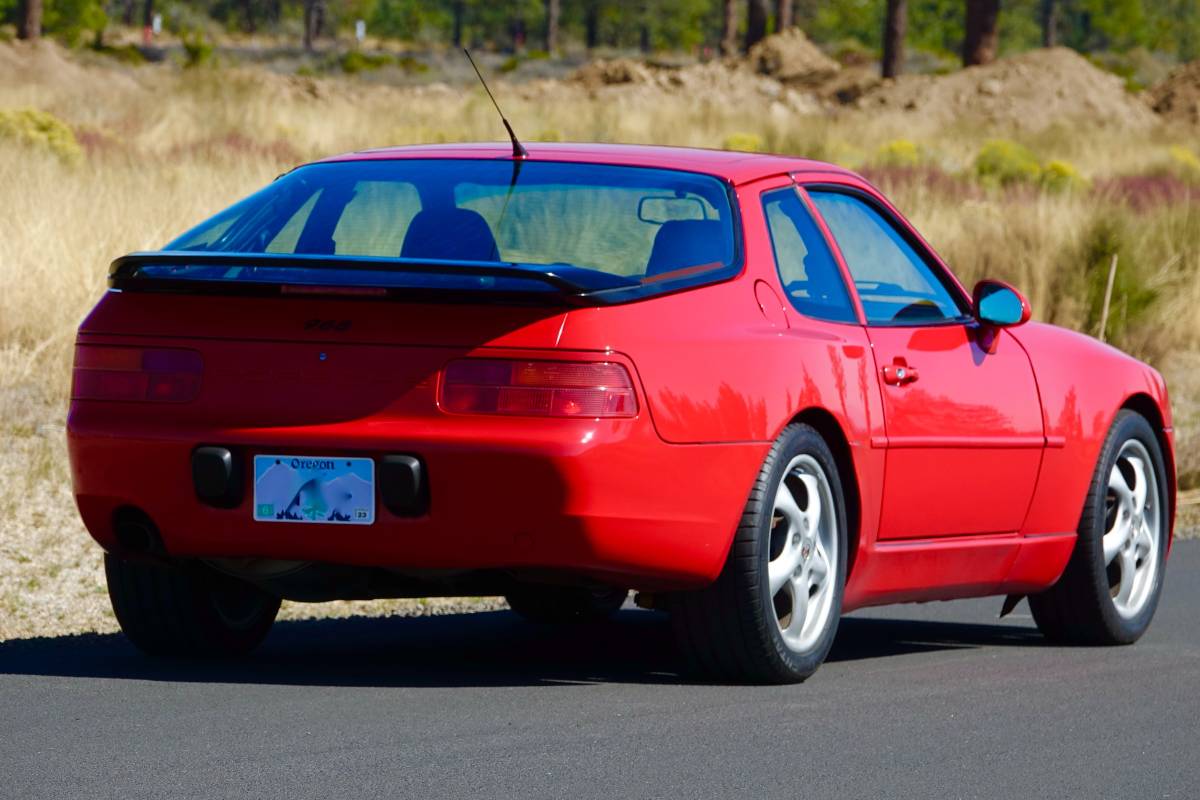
x: 603, y: 232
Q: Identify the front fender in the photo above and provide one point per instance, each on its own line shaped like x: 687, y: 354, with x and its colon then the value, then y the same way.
x: 1083, y: 383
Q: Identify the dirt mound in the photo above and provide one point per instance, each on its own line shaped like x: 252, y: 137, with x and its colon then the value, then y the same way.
x: 45, y: 63
x: 790, y: 57
x: 617, y: 71
x: 1177, y: 97
x: 1031, y: 91
x: 729, y: 79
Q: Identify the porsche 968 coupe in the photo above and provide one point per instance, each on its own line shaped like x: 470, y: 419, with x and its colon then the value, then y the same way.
x: 741, y: 385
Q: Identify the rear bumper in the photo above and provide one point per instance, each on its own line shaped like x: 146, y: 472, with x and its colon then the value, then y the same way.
x: 605, y: 498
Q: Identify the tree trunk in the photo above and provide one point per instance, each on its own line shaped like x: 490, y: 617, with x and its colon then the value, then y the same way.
x: 148, y: 14
x: 729, y: 24
x: 895, y: 26
x: 756, y: 22
x: 784, y: 15
x: 1049, y: 23
x: 516, y: 27
x: 128, y: 11
x: 553, y: 7
x: 979, y: 44
x: 591, y: 24
x: 459, y: 12
x: 29, y: 19
x: 314, y: 13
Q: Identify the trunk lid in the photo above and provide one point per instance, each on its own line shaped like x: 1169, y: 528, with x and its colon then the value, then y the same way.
x: 312, y: 361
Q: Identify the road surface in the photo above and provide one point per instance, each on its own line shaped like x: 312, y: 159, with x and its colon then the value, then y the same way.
x: 937, y: 700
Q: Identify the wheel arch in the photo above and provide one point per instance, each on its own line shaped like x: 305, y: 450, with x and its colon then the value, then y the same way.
x: 831, y: 431
x: 1145, y: 405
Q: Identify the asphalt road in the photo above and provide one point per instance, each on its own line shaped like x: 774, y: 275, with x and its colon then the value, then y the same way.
x: 940, y: 700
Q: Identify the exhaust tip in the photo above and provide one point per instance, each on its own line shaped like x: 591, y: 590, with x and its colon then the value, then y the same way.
x: 136, y: 534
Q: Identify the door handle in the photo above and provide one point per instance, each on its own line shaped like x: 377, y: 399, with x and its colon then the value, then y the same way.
x: 899, y: 374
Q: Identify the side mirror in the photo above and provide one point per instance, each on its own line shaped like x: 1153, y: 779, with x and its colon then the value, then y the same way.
x: 997, y: 304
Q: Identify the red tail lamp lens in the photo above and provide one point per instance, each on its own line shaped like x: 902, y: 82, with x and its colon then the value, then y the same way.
x: 136, y: 374
x: 538, y: 388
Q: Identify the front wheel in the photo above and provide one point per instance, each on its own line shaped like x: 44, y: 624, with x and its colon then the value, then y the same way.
x: 772, y: 614
x: 1110, y: 589
x: 187, y: 609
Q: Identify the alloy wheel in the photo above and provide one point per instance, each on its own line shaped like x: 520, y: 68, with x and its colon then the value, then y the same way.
x: 1133, y: 529
x: 801, y: 567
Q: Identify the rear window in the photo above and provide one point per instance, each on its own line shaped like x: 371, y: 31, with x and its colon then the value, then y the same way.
x: 606, y: 227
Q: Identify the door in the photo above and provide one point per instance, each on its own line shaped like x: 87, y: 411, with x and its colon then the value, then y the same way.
x: 964, y: 434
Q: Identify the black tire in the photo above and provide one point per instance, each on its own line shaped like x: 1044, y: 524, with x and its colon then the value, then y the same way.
x: 1079, y: 608
x: 557, y: 605
x: 187, y: 609
x: 730, y: 630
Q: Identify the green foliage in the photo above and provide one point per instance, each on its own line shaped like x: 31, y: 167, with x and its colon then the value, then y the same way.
x: 353, y: 62
x: 405, y: 19
x: 356, y: 61
x: 898, y: 153
x: 850, y: 29
x: 1003, y: 162
x: 1060, y: 176
x: 39, y: 129
x: 745, y: 142
x: 74, y: 20
x: 1132, y: 298
x: 1184, y: 162
x: 197, y: 49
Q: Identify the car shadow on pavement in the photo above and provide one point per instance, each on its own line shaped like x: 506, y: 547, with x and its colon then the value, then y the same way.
x: 481, y: 649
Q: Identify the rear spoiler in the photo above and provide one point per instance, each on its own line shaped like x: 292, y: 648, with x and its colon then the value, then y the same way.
x: 565, y: 283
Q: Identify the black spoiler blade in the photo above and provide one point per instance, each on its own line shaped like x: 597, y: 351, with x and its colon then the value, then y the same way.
x: 129, y: 272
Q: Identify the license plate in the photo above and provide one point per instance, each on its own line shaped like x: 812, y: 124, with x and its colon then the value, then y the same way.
x: 316, y: 489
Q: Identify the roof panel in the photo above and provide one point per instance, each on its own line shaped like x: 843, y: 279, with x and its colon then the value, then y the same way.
x: 734, y: 166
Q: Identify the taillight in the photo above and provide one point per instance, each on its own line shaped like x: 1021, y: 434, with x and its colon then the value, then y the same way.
x: 136, y: 374
x: 538, y: 388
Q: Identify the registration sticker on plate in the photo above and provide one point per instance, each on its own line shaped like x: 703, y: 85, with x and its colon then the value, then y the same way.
x: 328, y: 489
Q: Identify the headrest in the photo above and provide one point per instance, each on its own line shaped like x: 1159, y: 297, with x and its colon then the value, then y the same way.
x: 686, y: 243
x: 451, y: 234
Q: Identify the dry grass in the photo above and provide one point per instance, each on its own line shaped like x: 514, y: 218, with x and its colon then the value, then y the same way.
x: 165, y: 148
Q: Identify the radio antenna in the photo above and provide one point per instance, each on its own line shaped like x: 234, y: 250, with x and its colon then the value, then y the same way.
x: 519, y: 150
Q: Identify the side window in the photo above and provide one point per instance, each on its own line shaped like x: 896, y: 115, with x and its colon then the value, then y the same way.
x: 894, y: 283
x: 810, y: 276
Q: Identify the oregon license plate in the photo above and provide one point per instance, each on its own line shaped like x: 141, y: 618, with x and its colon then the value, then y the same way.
x: 325, y: 489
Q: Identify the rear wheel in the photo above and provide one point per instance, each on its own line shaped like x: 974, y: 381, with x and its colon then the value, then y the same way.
x: 564, y: 604
x: 1110, y: 589
x: 188, y: 609
x: 772, y: 614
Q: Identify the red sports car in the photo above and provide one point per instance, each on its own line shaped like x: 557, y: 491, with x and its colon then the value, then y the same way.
x: 742, y: 385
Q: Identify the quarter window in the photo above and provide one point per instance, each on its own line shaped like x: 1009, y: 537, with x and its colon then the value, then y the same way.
x: 896, y: 286
x: 809, y: 274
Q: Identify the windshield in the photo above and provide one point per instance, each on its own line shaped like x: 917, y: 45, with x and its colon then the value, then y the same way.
x: 628, y: 226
